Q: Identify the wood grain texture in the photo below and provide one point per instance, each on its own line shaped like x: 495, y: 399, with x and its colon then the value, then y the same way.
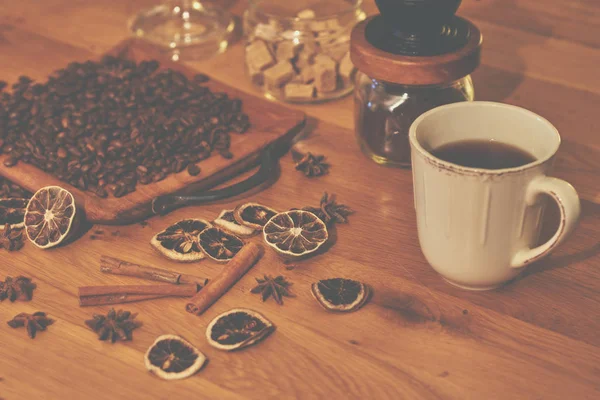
x: 420, y: 338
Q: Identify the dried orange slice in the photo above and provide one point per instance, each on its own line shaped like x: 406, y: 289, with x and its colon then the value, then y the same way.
x: 49, y: 216
x: 171, y: 357
x: 12, y: 212
x: 339, y: 294
x: 238, y: 328
x: 253, y: 215
x: 226, y: 221
x: 180, y: 241
x: 219, y: 245
x: 295, y: 233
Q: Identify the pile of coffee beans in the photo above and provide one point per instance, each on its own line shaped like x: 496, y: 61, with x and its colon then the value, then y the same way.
x: 12, y: 190
x: 108, y: 126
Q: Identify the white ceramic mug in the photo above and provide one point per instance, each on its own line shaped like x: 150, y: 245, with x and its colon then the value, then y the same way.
x: 478, y: 227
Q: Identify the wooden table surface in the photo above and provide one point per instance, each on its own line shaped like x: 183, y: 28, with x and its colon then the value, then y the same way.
x: 418, y: 337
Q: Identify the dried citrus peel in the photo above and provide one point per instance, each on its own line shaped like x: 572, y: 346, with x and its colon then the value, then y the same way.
x: 226, y: 221
x: 180, y: 241
x: 253, y: 215
x: 172, y: 357
x: 341, y: 295
x: 295, y: 233
x: 49, y: 216
x: 237, y: 328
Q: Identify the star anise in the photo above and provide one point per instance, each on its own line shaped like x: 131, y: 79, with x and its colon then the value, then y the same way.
x: 312, y: 165
x: 329, y: 211
x: 273, y: 287
x: 18, y: 288
x: 11, y: 238
x: 116, y: 325
x: 35, y: 322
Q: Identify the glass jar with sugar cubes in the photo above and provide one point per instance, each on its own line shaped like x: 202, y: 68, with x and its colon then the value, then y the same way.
x: 299, y: 51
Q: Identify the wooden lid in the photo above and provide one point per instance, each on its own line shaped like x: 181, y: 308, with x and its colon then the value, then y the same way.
x: 414, y: 70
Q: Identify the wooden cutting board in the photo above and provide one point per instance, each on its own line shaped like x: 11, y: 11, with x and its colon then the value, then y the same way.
x: 271, y: 122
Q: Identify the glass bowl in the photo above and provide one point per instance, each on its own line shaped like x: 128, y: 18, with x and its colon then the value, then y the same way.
x: 299, y: 51
x: 185, y: 29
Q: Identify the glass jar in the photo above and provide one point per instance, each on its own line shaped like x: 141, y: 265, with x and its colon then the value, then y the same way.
x: 384, y: 112
x: 185, y: 29
x: 299, y: 51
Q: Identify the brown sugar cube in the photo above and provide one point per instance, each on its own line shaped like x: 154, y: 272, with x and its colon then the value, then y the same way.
x: 333, y: 25
x: 336, y: 50
x: 258, y: 56
x: 291, y: 35
x: 346, y: 68
x: 318, y: 26
x: 311, y: 47
x: 304, y: 60
x: 298, y: 91
x: 330, y: 33
x: 325, y: 27
x: 325, y: 73
x: 307, y: 74
x: 306, y: 14
x: 267, y: 32
x: 306, y: 55
x: 297, y: 78
x: 325, y: 60
x: 286, y: 50
x: 256, y: 76
x: 279, y: 74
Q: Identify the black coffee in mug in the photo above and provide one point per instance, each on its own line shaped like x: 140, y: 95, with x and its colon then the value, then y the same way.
x: 486, y: 154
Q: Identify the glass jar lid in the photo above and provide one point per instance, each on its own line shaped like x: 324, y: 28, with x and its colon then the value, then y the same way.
x: 416, y: 43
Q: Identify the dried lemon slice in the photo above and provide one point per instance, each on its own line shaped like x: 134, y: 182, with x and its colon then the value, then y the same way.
x: 171, y: 357
x: 237, y: 328
x: 180, y: 241
x: 253, y: 215
x: 49, y: 216
x: 219, y: 245
x: 295, y: 233
x: 227, y: 221
x: 339, y: 294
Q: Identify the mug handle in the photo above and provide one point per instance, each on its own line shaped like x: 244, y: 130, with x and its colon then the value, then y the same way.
x: 568, y: 203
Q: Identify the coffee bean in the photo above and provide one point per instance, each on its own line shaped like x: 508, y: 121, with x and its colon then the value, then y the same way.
x: 122, y: 122
x: 193, y: 169
x: 226, y: 154
x: 158, y: 176
x: 236, y: 105
x: 179, y: 165
x: 82, y: 183
x: 25, y: 80
x: 11, y: 161
x: 9, y: 189
x: 107, y: 126
x: 201, y: 78
x: 61, y: 152
x: 119, y: 191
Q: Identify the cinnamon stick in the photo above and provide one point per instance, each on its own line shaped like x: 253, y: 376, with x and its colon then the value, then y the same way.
x: 116, y: 299
x: 185, y: 290
x: 230, y: 274
x: 111, y: 265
